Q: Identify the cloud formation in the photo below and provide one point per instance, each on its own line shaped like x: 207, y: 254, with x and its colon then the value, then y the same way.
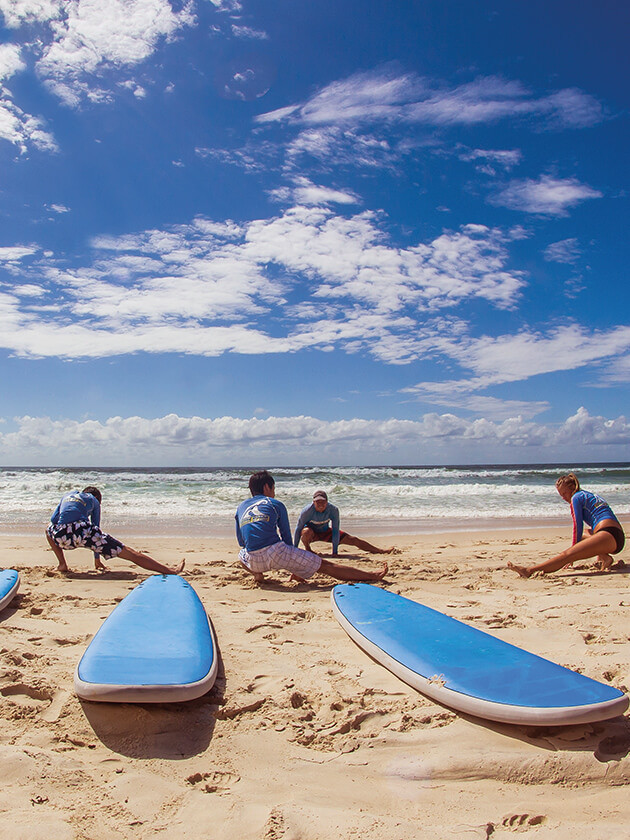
x: 82, y: 40
x: 208, y: 288
x: 545, y: 196
x: 388, y: 96
x: 202, y: 438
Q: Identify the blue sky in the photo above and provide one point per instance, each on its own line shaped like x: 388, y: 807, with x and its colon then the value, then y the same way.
x: 247, y: 232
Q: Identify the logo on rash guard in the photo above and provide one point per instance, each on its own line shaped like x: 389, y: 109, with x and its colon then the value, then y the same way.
x: 254, y: 514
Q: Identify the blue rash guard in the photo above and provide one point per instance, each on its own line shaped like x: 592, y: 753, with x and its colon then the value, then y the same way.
x: 258, y: 521
x: 589, y: 508
x: 319, y: 522
x: 75, y: 506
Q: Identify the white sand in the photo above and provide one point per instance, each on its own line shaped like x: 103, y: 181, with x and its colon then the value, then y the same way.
x: 303, y: 736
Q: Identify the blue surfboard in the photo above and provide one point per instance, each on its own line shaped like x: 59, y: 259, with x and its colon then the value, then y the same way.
x: 157, y: 646
x: 9, y: 585
x: 465, y: 668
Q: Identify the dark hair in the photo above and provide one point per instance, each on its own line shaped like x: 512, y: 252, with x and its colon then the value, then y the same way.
x: 93, y: 491
x: 258, y: 480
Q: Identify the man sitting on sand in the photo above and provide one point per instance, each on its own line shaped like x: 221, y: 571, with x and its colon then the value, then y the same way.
x: 319, y: 522
x: 264, y: 534
x: 75, y: 524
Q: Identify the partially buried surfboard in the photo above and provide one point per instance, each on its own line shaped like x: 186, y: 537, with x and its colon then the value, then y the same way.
x: 9, y: 585
x: 465, y: 668
x: 157, y: 646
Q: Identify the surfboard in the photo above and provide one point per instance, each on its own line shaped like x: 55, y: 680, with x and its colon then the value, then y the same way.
x: 467, y: 669
x: 9, y: 585
x: 156, y: 646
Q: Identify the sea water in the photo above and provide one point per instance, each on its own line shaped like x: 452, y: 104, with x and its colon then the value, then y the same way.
x: 376, y: 500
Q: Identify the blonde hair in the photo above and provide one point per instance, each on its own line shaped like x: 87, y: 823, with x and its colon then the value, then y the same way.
x: 570, y: 481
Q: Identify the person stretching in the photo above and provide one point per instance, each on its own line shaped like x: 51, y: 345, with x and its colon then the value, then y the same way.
x: 264, y: 534
x: 319, y: 522
x: 605, y: 535
x: 75, y: 524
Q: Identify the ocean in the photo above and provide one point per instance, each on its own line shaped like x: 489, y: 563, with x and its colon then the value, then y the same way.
x: 372, y: 500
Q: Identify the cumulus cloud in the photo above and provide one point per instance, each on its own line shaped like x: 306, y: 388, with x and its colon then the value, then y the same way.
x: 221, y: 437
x: 546, y: 196
x: 209, y: 288
x: 81, y: 40
x: 385, y: 95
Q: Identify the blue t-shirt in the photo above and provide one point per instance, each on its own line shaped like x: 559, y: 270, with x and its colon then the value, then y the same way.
x: 319, y: 522
x: 75, y: 506
x: 589, y: 508
x: 258, y: 521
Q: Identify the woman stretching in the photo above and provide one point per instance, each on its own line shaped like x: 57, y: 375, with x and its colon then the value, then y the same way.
x: 605, y: 536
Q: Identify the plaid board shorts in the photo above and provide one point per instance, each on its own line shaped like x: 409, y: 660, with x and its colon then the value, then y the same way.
x: 299, y: 562
x: 82, y: 534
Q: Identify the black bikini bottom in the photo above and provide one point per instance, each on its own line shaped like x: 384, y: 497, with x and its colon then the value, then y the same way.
x: 618, y: 534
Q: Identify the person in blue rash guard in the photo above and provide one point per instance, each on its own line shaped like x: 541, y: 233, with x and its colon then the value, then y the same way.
x: 605, y: 534
x: 75, y: 523
x: 264, y: 534
x: 319, y: 522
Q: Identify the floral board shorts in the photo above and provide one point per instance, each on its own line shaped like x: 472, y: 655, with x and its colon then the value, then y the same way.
x: 299, y: 562
x: 82, y: 534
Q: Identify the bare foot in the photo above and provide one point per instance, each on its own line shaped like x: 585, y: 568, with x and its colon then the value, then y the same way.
x: 258, y: 577
x: 392, y: 550
x: 63, y: 569
x: 100, y: 567
x: 178, y: 569
x: 297, y: 579
x: 604, y: 562
x: 523, y: 571
x: 378, y: 575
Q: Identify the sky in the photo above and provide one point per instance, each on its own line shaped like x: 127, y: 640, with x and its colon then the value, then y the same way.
x: 271, y: 232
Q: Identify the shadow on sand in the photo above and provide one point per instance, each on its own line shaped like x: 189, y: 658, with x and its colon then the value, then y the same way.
x: 608, y: 740
x: 158, y: 730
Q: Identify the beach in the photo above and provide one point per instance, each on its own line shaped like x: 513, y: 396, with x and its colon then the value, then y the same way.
x: 303, y: 736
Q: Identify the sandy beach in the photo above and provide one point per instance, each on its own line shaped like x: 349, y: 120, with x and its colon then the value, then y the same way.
x: 303, y: 737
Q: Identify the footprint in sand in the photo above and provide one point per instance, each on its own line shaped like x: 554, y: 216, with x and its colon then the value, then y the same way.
x: 27, y: 696
x: 216, y: 781
x: 516, y: 821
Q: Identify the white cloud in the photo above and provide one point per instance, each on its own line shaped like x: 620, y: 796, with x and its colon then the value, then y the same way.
x: 512, y: 358
x: 16, y: 126
x: 17, y: 12
x: 12, y: 253
x: 198, y: 438
x: 385, y: 95
x: 306, y: 193
x: 82, y: 40
x: 247, y: 33
x: 565, y: 251
x: 547, y: 196
x: 186, y: 288
x: 11, y: 61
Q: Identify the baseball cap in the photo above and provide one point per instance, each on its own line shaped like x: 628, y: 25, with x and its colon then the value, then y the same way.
x: 320, y: 494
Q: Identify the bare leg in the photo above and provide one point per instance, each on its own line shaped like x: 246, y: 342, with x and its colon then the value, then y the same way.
x: 308, y: 536
x: 599, y: 544
x: 61, y: 560
x: 366, y: 546
x: 99, y: 565
x: 146, y: 562
x: 339, y: 572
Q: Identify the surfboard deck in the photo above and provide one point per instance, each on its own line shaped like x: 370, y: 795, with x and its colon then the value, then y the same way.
x: 9, y: 585
x: 465, y: 668
x: 156, y: 646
